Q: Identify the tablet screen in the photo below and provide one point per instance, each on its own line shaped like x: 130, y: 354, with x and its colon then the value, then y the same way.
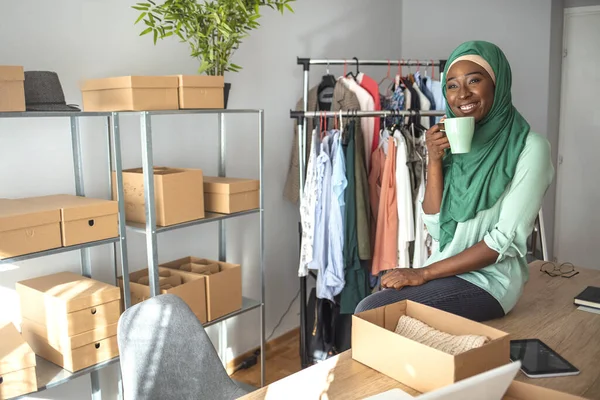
x: 538, y: 359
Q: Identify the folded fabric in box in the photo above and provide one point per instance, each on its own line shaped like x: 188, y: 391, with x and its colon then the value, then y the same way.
x: 418, y: 331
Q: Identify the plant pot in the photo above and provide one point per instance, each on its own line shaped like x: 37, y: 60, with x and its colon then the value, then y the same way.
x: 226, y: 90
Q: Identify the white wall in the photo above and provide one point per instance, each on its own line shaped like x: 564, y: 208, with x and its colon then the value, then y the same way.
x: 82, y: 39
x: 521, y: 29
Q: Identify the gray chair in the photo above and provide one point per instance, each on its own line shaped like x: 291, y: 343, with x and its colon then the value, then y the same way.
x: 166, y: 354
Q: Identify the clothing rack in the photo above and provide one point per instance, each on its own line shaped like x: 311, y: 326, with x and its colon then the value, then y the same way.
x: 302, y: 117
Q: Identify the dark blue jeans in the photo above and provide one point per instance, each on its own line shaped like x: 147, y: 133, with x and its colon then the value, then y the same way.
x: 453, y: 294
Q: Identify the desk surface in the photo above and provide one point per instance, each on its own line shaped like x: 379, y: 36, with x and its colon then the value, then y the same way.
x: 545, y: 311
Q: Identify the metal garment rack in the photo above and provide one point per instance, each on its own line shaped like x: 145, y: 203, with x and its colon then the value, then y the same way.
x: 48, y: 374
x: 152, y: 231
x: 302, y: 116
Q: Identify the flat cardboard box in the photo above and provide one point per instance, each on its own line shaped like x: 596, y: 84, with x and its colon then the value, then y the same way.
x: 230, y: 195
x: 12, y: 92
x: 524, y: 391
x: 223, y: 284
x: 27, y: 228
x: 17, y: 363
x: 83, y: 219
x: 201, y: 91
x: 131, y: 93
x: 192, y: 290
x: 375, y: 344
x: 69, y: 304
x: 178, y: 194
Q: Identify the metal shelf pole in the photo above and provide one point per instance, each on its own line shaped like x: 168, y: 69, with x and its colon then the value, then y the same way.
x: 115, y: 134
x: 148, y: 171
x: 86, y: 266
x: 261, y: 129
x: 222, y: 172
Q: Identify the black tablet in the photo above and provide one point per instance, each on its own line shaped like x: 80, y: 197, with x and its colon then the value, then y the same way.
x: 538, y: 360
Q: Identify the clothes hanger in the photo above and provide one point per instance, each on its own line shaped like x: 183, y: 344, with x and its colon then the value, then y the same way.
x: 355, y: 77
x: 328, y: 80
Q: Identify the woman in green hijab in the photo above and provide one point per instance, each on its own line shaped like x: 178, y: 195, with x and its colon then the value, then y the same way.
x: 479, y: 207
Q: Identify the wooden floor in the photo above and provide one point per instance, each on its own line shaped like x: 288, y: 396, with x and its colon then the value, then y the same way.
x: 282, y: 359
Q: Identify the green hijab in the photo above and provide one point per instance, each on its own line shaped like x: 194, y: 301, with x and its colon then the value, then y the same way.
x: 474, y: 181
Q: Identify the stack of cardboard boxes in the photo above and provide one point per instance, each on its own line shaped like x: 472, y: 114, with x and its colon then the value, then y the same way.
x: 69, y: 319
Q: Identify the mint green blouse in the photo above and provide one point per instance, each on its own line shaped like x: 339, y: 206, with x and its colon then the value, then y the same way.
x: 505, y: 227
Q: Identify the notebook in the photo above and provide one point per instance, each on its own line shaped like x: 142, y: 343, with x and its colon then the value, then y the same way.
x: 590, y: 297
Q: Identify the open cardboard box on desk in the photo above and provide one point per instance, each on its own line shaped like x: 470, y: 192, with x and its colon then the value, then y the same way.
x: 375, y: 344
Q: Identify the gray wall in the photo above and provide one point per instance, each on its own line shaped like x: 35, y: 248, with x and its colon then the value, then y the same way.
x: 532, y: 45
x: 581, y: 3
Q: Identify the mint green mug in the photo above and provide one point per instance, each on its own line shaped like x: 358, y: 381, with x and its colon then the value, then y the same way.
x: 459, y: 132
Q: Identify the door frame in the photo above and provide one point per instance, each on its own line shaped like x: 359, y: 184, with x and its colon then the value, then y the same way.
x: 568, y: 12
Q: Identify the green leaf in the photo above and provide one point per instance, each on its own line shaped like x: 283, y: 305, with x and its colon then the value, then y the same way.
x: 140, y: 8
x: 142, y: 15
x: 289, y: 8
x: 155, y: 36
x: 146, y: 31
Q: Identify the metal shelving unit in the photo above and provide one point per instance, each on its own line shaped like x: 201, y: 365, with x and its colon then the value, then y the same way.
x: 48, y: 374
x: 152, y: 231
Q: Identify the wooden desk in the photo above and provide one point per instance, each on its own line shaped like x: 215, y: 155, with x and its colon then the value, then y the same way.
x: 545, y: 311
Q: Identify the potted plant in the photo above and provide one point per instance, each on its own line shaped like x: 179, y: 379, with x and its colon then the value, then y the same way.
x: 213, y: 29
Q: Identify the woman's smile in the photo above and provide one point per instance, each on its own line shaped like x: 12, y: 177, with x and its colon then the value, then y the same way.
x: 469, y: 108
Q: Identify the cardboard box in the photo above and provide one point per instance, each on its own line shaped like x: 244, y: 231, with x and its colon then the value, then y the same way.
x: 230, y: 195
x: 178, y: 195
x: 83, y: 219
x: 69, y: 304
x: 201, y: 91
x: 524, y: 391
x: 69, y: 319
x: 223, y: 283
x: 131, y: 93
x: 375, y: 344
x: 27, y: 228
x: 17, y: 364
x: 191, y: 288
x: 12, y: 92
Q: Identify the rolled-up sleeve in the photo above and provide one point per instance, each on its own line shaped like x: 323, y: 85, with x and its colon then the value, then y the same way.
x: 523, y: 200
x: 432, y: 222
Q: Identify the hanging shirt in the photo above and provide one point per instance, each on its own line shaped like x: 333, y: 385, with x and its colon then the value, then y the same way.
x: 308, y: 205
x: 424, y: 105
x: 371, y: 86
x: 367, y: 123
x: 406, y: 222
x: 505, y: 227
x: 363, y: 211
x: 375, y: 176
x: 333, y: 280
x: 356, y: 287
x: 321, y: 243
x: 385, y: 256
